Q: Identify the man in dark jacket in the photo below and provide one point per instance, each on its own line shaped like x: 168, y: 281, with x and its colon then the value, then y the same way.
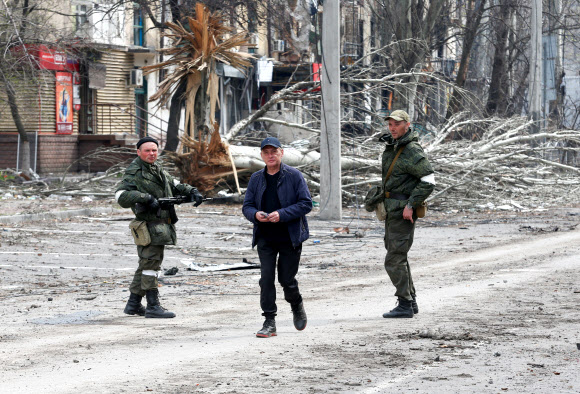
x: 276, y: 201
x: 411, y: 181
x: 144, y: 182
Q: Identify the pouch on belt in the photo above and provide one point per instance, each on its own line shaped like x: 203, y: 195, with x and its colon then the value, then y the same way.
x: 422, y: 210
x: 140, y: 232
x: 374, y: 201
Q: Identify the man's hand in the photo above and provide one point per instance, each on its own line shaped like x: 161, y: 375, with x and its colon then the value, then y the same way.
x: 152, y: 203
x: 408, y: 213
x: 274, y: 217
x: 196, y: 196
x: 262, y: 217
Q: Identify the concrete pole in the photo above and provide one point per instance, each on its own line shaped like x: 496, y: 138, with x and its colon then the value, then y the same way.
x: 535, y: 86
x: 330, y: 176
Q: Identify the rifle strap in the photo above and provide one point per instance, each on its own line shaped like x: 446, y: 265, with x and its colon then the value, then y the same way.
x: 389, y: 172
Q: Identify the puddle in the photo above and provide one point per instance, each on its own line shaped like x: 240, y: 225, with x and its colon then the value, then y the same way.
x: 82, y: 317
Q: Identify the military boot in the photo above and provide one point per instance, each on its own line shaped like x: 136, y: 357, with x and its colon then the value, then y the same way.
x: 154, y: 308
x: 414, y: 304
x: 404, y: 309
x: 299, y: 316
x: 268, y: 329
x: 134, y: 306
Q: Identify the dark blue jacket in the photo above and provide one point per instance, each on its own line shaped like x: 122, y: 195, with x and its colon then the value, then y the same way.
x: 294, y: 198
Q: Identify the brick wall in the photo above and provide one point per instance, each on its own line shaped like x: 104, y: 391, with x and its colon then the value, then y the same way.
x: 8, y: 146
x: 56, y: 153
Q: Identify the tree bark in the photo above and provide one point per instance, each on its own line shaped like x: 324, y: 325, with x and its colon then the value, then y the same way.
x: 497, y: 88
x: 24, y: 143
x: 177, y: 102
x: 200, y: 109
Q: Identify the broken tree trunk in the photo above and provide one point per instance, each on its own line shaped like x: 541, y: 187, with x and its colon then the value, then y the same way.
x: 249, y: 158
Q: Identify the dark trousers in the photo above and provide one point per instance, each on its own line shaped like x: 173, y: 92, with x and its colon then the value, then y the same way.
x: 398, y: 240
x: 145, y: 278
x: 288, y: 262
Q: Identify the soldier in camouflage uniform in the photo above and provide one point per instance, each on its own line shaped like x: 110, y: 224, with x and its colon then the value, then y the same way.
x: 412, y: 180
x: 144, y: 182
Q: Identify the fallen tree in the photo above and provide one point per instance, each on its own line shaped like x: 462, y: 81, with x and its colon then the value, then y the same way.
x: 505, y: 168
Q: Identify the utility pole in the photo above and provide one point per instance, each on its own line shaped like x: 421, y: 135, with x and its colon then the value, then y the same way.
x: 535, y: 86
x: 330, y: 171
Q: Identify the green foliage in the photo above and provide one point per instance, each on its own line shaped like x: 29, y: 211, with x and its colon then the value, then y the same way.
x: 4, y: 177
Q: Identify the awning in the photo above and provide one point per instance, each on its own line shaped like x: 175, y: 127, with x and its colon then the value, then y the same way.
x: 226, y: 70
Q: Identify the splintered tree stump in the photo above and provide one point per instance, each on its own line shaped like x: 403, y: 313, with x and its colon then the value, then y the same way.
x: 205, y: 161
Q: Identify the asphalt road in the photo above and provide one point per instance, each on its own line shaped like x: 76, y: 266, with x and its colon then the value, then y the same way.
x: 498, y: 297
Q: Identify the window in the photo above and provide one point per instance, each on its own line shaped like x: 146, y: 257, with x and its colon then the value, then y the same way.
x: 81, y: 18
x: 138, y: 32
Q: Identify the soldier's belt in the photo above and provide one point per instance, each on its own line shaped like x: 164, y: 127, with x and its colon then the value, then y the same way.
x: 161, y: 221
x: 396, y: 196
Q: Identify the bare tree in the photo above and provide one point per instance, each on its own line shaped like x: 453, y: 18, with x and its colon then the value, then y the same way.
x: 474, y: 13
x: 26, y: 22
x: 410, y: 24
x: 497, y: 98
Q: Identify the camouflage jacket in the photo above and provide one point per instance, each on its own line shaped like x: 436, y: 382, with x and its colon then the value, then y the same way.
x: 141, y: 180
x: 412, y: 174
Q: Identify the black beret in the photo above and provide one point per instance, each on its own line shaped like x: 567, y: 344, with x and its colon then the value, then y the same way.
x: 146, y: 139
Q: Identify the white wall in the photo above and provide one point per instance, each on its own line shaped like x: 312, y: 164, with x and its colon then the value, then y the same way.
x: 572, y: 102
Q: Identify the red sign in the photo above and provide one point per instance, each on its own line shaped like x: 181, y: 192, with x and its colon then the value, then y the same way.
x: 53, y: 60
x: 64, y: 95
x: 316, y: 71
x: 49, y: 58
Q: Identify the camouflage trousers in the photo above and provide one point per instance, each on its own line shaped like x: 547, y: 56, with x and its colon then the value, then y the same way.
x: 145, y: 278
x: 398, y: 240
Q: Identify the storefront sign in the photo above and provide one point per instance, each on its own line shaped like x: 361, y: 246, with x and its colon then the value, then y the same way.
x: 51, y: 60
x: 64, y: 95
x: 264, y: 71
x: 47, y: 58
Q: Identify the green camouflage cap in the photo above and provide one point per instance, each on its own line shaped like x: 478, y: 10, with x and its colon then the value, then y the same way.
x: 398, y: 115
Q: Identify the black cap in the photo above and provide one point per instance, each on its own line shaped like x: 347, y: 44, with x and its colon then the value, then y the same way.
x: 272, y: 141
x: 146, y: 139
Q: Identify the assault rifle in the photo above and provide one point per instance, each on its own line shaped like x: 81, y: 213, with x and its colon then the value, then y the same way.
x: 167, y: 204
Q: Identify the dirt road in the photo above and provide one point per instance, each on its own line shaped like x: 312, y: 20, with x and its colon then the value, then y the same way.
x: 498, y: 295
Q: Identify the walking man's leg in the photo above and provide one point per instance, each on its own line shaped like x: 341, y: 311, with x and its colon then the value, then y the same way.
x: 288, y: 264
x: 268, y: 254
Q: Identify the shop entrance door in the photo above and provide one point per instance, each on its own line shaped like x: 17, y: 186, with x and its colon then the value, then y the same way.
x: 141, y: 110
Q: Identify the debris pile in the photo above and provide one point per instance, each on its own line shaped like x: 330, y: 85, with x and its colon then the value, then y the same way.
x: 501, y: 166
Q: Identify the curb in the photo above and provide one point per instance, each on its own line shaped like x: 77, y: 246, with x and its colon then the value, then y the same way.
x: 55, y: 215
